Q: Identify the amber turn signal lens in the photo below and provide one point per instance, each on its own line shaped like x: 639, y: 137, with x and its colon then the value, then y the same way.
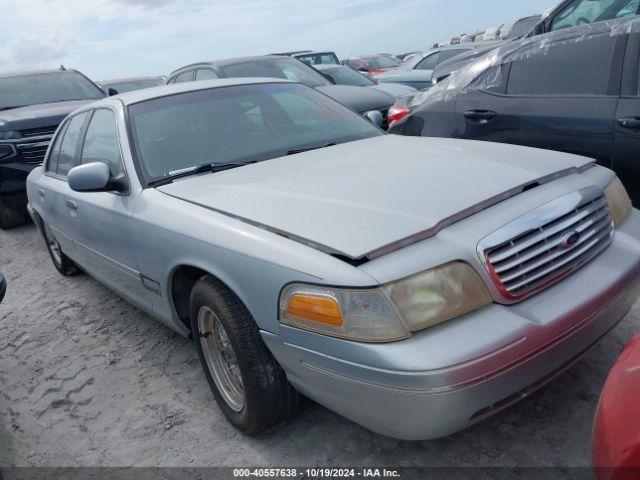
x: 315, y: 309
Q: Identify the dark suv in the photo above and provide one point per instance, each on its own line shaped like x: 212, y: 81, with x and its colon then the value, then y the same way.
x: 575, y: 90
x: 32, y: 105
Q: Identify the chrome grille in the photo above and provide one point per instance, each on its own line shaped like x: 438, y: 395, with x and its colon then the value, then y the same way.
x: 547, y: 244
x: 38, y: 132
x: 32, y: 152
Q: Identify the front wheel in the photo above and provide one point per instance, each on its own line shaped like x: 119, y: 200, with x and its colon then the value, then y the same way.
x: 63, y: 264
x: 250, y: 387
x: 11, y: 217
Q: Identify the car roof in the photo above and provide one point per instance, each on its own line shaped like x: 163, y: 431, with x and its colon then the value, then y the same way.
x: 327, y: 66
x: 34, y: 72
x: 315, y: 52
x: 229, y: 61
x: 137, y: 96
x: 129, y: 79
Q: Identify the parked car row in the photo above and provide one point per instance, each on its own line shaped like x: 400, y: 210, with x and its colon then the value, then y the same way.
x: 413, y: 285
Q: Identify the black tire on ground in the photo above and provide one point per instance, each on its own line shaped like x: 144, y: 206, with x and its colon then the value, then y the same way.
x: 11, y: 217
x: 63, y: 264
x: 269, y: 399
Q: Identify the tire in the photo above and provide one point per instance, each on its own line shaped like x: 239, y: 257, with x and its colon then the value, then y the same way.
x: 252, y: 390
x: 63, y: 264
x: 10, y: 218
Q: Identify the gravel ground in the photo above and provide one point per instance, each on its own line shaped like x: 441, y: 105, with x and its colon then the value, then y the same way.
x: 88, y: 380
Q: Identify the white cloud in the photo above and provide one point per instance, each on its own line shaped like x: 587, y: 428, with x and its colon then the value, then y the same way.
x: 114, y: 38
x: 36, y: 50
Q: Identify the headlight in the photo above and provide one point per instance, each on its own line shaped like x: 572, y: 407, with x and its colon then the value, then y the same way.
x: 619, y: 201
x: 438, y: 295
x: 390, y: 312
x: 10, y: 135
x: 363, y: 315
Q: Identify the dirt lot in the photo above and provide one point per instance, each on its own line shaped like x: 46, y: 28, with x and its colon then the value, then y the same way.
x: 87, y: 379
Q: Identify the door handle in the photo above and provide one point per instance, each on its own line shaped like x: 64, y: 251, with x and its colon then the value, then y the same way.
x: 480, y: 116
x: 632, y: 123
x: 41, y: 193
x: 71, y: 204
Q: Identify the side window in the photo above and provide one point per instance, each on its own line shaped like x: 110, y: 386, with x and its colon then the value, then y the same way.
x: 101, y: 142
x: 69, y: 144
x: 52, y: 162
x: 428, y: 63
x: 575, y: 69
x: 184, y: 77
x: 582, y: 12
x: 446, y: 55
x: 206, y: 74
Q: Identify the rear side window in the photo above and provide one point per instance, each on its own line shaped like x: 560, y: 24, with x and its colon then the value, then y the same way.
x: 583, y: 68
x: 428, y: 63
x: 52, y: 163
x: 184, y: 77
x: 101, y: 142
x: 67, y: 156
x: 206, y: 74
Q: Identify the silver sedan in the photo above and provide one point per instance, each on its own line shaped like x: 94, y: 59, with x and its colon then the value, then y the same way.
x: 413, y: 285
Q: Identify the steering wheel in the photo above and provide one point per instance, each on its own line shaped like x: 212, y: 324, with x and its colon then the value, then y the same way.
x: 582, y: 21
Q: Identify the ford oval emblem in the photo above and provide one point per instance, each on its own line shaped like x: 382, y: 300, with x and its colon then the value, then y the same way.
x: 570, y: 239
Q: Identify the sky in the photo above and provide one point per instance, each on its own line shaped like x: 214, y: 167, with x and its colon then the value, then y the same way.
x: 108, y: 39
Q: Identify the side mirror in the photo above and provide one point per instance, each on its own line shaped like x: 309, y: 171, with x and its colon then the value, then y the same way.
x: 112, y: 91
x: 91, y: 177
x: 3, y: 286
x: 375, y: 117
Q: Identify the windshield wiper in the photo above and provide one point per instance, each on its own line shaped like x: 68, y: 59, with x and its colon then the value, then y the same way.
x: 13, y: 106
x: 302, y: 150
x: 204, y: 168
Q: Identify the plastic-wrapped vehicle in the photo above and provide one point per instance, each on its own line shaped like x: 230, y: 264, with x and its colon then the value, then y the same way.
x: 575, y: 90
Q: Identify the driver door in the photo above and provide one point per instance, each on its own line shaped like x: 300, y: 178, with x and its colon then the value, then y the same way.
x: 100, y: 223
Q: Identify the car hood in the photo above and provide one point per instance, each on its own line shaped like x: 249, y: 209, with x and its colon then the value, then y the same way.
x: 359, y: 99
x: 40, y: 115
x: 364, y: 198
x: 396, y: 90
x: 405, y: 76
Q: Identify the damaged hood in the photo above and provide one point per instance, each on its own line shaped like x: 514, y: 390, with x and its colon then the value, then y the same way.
x: 359, y: 198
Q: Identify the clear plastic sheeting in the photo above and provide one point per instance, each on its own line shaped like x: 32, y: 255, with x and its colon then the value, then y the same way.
x: 485, y: 73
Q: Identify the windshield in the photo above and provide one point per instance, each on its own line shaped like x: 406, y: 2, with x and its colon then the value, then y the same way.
x: 348, y: 76
x: 238, y: 124
x: 285, y: 68
x: 381, y: 62
x: 582, y: 12
x: 46, y: 88
x: 130, y: 85
x: 319, y: 59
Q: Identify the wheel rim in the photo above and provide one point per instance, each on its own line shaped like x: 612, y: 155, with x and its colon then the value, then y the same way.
x: 54, y: 248
x: 221, y: 359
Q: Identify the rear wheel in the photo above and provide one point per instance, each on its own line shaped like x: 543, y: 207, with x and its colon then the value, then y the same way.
x: 11, y: 217
x: 250, y: 387
x: 62, y: 263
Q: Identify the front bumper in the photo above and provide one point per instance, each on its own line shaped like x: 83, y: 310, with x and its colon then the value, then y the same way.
x: 487, y: 359
x: 13, y: 180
